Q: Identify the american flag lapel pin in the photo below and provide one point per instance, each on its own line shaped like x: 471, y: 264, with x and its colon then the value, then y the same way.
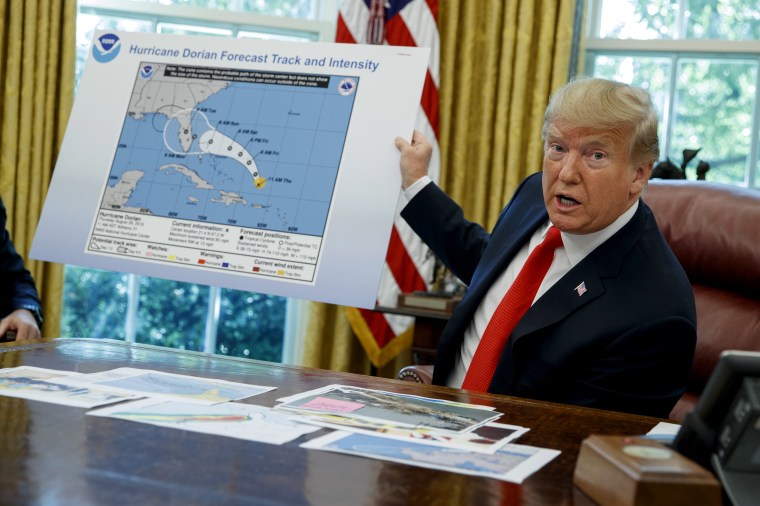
x: 581, y: 289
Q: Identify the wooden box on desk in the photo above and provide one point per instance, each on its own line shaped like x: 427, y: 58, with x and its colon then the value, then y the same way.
x: 630, y: 471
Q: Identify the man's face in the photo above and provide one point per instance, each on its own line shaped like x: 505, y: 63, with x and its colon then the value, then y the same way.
x: 589, y: 179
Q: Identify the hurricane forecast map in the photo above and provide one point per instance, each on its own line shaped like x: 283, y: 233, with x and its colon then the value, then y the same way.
x: 226, y: 168
x: 266, y: 166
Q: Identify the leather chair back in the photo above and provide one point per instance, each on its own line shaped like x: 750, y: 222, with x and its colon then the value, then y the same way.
x: 714, y: 231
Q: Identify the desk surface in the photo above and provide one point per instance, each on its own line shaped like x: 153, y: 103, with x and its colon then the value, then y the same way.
x: 51, y: 454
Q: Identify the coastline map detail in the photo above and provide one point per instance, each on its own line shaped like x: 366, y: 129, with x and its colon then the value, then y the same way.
x: 226, y: 169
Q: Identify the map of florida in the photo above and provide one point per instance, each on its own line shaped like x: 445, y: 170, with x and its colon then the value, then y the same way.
x: 178, y: 101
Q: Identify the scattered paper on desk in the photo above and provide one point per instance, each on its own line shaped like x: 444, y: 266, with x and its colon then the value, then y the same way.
x: 329, y: 388
x: 389, y: 408
x: 511, y: 463
x: 665, y: 429
x: 36, y: 384
x: 664, y: 432
x: 180, y: 387
x: 329, y: 405
x: 231, y: 419
x: 484, y: 439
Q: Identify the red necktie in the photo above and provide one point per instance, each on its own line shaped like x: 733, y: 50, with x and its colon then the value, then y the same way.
x: 510, y: 310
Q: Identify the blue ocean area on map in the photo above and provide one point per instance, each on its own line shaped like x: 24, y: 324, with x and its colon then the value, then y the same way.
x: 252, y: 155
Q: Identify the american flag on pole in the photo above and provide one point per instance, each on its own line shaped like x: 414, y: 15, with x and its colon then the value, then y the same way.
x: 408, y: 264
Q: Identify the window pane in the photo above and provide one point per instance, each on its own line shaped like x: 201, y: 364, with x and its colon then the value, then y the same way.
x: 207, y: 4
x: 94, y: 303
x: 713, y: 111
x: 723, y: 19
x: 648, y: 72
x: 290, y: 8
x: 251, y: 325
x: 243, y: 34
x: 179, y: 29
x: 636, y: 19
x: 171, y: 313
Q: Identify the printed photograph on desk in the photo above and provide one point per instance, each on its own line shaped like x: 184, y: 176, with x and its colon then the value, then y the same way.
x: 390, y: 408
x: 164, y: 385
x: 487, y: 438
x: 36, y: 384
x: 231, y: 419
x: 512, y: 463
x: 327, y: 388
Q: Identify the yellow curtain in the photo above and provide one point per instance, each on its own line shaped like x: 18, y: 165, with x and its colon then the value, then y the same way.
x: 331, y: 344
x: 37, y: 54
x: 500, y: 60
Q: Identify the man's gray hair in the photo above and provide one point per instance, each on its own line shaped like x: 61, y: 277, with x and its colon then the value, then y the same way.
x: 622, y: 109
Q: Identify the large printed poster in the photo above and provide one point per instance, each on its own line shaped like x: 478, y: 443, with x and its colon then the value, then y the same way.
x: 256, y: 165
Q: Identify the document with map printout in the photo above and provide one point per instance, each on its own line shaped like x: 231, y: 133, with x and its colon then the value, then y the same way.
x: 264, y: 166
x: 488, y: 438
x: 164, y: 385
x: 512, y: 462
x: 388, y: 408
x: 38, y: 384
x: 230, y: 419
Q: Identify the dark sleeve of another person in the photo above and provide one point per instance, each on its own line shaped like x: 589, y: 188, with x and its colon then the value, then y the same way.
x: 17, y: 289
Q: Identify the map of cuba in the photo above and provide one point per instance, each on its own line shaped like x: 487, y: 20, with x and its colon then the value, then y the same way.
x: 233, y: 147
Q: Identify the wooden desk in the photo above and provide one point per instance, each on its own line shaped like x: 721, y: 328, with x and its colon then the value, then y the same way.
x: 52, y: 454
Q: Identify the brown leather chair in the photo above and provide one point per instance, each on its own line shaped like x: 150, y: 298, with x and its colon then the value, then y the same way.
x: 714, y: 231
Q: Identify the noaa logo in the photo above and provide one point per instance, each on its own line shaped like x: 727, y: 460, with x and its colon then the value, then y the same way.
x: 106, y: 48
x: 347, y: 86
x: 146, y: 72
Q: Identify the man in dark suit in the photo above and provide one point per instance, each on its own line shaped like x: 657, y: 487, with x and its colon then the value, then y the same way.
x: 20, y: 313
x: 613, y: 324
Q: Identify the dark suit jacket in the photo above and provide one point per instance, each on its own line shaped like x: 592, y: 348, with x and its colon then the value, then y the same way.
x: 17, y: 288
x: 625, y: 344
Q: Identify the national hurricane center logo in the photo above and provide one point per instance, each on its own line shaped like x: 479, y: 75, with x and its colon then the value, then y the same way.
x: 106, y: 47
x: 146, y: 72
x: 347, y: 86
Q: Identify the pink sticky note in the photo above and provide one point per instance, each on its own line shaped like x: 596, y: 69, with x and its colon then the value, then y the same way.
x: 332, y: 405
